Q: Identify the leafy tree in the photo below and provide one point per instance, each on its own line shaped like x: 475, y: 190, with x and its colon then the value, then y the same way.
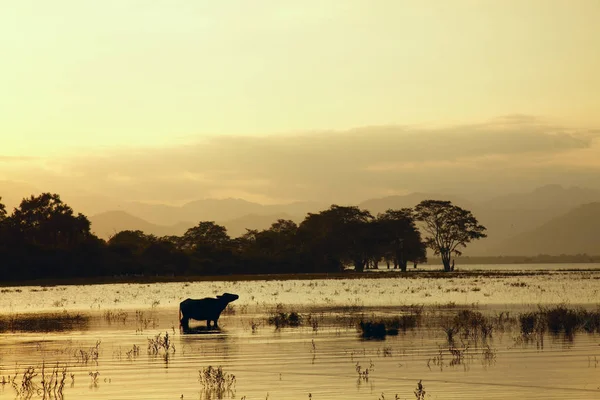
x: 400, y: 239
x: 207, y: 234
x: 47, y: 222
x: 162, y: 257
x: 337, y: 236
x: 2, y: 210
x: 273, y: 249
x: 132, y: 242
x: 449, y: 227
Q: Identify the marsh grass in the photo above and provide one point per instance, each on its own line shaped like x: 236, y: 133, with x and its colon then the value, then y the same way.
x: 92, y: 354
x: 420, y: 391
x: 363, y: 373
x: 115, y: 316
x: 35, y: 381
x: 216, y: 383
x: 144, y: 321
x: 161, y: 346
x: 468, y: 325
x: 44, y: 322
x: 280, y: 318
x: 379, y: 329
x: 559, y: 319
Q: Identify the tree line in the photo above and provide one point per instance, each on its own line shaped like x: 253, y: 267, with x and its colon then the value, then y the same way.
x: 44, y: 238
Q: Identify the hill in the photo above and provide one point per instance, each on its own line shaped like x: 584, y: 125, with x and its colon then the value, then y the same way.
x: 380, y: 205
x: 108, y: 223
x: 575, y: 232
x: 237, y: 227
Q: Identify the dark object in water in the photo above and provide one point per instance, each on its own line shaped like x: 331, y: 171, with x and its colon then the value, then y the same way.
x: 207, y: 309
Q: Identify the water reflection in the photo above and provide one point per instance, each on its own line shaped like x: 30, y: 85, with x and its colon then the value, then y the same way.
x: 44, y: 322
x: 200, y: 330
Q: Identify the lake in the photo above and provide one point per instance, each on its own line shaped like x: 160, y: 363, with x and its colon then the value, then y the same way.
x: 122, y: 341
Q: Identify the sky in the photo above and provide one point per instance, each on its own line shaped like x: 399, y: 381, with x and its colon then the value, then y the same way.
x: 273, y: 101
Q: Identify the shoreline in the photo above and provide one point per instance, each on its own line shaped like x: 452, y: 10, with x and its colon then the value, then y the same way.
x: 379, y: 274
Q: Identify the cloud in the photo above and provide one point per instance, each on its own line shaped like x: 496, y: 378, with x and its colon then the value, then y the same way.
x: 348, y: 166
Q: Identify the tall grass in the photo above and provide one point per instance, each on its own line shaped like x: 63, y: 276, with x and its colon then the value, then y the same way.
x: 559, y: 319
x: 216, y: 383
x: 469, y: 325
x: 380, y: 328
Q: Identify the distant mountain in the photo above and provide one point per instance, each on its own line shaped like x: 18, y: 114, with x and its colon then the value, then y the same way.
x: 575, y: 232
x: 512, y: 214
x: 505, y: 216
x: 108, y: 223
x: 545, y: 197
x: 216, y: 210
x: 383, y: 204
x: 237, y: 227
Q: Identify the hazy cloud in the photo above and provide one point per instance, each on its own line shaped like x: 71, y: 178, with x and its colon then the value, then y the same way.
x: 504, y: 154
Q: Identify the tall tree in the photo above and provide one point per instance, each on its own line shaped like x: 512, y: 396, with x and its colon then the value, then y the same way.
x: 273, y: 249
x: 2, y: 210
x: 207, y: 234
x: 449, y: 227
x: 400, y: 239
x: 134, y: 242
x: 337, y: 236
x: 46, y: 221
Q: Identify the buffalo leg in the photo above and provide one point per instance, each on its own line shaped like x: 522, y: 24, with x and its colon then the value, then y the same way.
x: 185, y: 323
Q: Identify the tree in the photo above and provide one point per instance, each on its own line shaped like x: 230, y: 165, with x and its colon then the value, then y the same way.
x: 45, y: 221
x: 273, y: 249
x: 2, y: 210
x: 207, y: 234
x: 337, y: 236
x: 132, y: 242
x: 449, y: 227
x: 400, y: 240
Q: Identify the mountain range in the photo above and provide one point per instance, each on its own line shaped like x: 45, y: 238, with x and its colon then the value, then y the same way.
x: 547, y: 220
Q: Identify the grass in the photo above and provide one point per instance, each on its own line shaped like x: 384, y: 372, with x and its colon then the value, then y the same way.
x: 379, y: 329
x: 280, y: 318
x: 216, y: 382
x: 469, y: 325
x: 44, y: 322
x: 32, y: 381
x: 559, y: 319
x: 114, y: 316
x: 84, y: 356
x: 420, y: 391
x: 161, y: 345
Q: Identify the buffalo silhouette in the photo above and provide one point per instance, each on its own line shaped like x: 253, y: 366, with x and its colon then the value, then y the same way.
x: 208, y: 309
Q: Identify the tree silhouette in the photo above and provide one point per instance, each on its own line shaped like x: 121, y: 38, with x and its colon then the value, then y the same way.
x: 337, y: 236
x: 47, y: 222
x: 207, y: 234
x: 400, y: 239
x: 449, y: 227
x: 131, y: 242
x: 2, y: 210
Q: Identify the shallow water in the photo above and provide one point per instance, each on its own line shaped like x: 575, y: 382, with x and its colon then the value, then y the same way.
x: 319, y: 360
x: 555, y: 286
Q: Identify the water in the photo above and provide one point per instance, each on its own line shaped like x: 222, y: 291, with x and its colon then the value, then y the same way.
x: 319, y: 359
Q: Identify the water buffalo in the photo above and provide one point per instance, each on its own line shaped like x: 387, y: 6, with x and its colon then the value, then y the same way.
x: 208, y: 309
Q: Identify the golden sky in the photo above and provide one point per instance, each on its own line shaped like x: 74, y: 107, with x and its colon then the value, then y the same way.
x: 166, y: 100
x: 82, y: 74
